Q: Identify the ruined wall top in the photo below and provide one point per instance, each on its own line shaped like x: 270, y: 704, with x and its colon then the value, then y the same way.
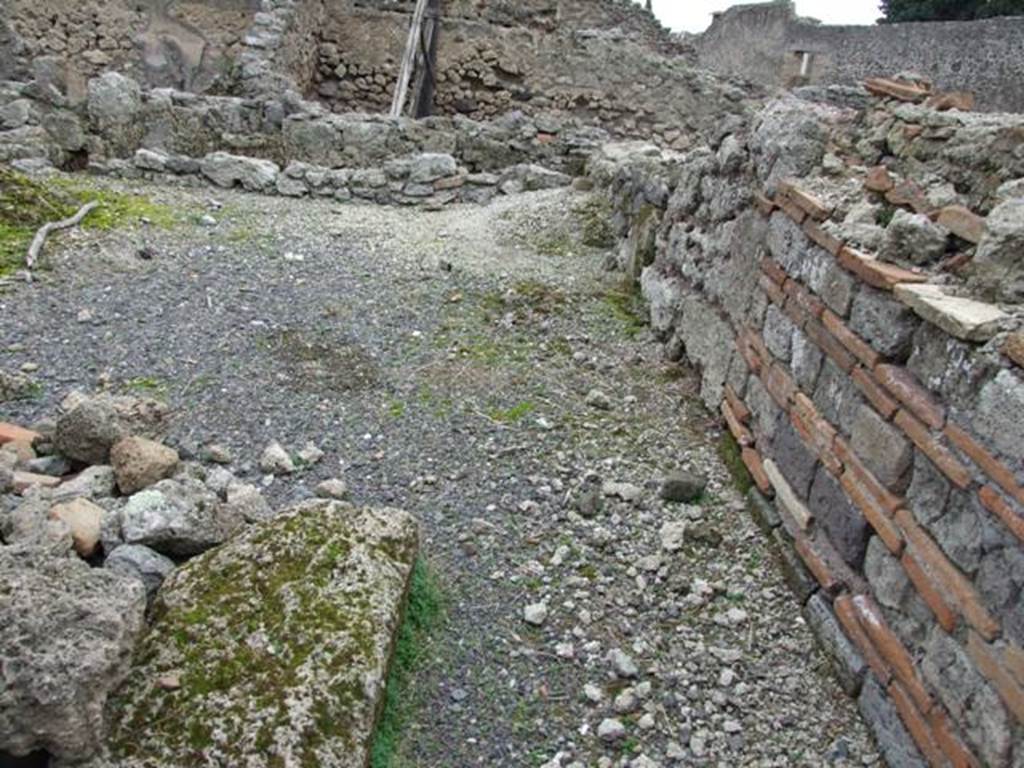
x: 769, y: 44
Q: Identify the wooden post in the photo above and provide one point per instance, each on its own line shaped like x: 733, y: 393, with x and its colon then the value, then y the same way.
x: 426, y: 62
x: 408, y: 58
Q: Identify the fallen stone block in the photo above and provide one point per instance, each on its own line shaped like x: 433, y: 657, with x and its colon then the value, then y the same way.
x: 323, y: 581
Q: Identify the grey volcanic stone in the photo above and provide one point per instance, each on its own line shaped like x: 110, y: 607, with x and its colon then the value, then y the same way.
x: 997, y: 265
x: 179, y: 518
x: 843, y: 523
x: 226, y: 170
x: 68, y: 634
x: 913, y: 237
x: 884, y: 721
x: 793, y: 459
x: 429, y: 167
x: 883, y: 448
x: 323, y: 581
x: 114, y: 100
x: 682, y: 486
x: 846, y: 660
x: 90, y: 424
x: 887, y: 324
x: 141, y: 563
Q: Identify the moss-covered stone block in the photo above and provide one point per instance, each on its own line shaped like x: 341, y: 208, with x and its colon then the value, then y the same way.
x: 273, y: 649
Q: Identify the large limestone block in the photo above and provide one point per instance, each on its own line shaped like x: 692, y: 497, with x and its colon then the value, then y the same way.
x: 66, y: 643
x: 226, y: 170
x: 273, y: 649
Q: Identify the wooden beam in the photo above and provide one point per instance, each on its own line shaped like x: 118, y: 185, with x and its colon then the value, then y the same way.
x: 408, y: 59
x: 426, y: 62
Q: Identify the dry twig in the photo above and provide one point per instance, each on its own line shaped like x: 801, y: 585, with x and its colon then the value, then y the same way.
x: 45, y: 230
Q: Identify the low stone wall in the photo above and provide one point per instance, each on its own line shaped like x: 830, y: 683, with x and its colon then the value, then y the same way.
x: 884, y: 432
x: 39, y: 128
x: 767, y: 43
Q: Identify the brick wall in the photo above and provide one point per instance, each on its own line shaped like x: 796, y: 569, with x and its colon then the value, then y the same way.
x: 887, y: 451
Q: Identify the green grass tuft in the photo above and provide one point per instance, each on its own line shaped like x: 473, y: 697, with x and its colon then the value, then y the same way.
x: 424, y: 613
x: 730, y: 453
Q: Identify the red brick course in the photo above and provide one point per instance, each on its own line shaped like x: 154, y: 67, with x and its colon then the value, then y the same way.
x: 930, y: 592
x: 823, y: 238
x: 779, y: 383
x: 764, y: 205
x: 888, y: 500
x: 853, y: 343
x: 791, y: 209
x: 876, y: 515
x: 987, y: 660
x: 830, y: 345
x: 876, y: 273
x: 957, y: 587
x: 919, y: 728
x: 891, y: 649
x: 941, y: 456
x: 871, y: 389
x: 774, y: 270
x: 739, y: 408
x: 752, y: 461
x: 847, y: 615
x: 902, y: 385
x: 807, y: 301
x: 949, y: 742
x: 994, y: 502
x: 771, y: 289
x: 740, y: 432
x: 988, y: 463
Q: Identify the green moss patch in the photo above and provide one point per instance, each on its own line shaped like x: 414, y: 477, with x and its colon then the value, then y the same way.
x: 423, y: 615
x: 731, y: 454
x: 27, y: 204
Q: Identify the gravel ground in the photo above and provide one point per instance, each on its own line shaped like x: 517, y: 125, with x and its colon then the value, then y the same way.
x: 443, y: 360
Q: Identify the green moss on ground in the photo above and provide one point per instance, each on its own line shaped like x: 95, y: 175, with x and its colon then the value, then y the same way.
x: 423, y: 615
x: 731, y: 454
x: 595, y: 220
x: 626, y: 305
x: 27, y: 204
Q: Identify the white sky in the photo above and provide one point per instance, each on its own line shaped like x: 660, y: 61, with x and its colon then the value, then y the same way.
x: 695, y: 15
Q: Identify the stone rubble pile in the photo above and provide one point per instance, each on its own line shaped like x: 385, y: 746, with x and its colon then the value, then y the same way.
x: 96, y: 512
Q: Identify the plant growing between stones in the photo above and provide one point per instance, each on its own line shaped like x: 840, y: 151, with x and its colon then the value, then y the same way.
x: 424, y: 614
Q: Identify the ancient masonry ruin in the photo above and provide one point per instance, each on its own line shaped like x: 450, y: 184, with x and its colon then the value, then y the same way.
x: 843, y: 262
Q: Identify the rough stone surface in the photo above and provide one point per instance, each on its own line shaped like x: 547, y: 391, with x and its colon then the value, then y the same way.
x: 178, y: 518
x: 91, y: 424
x: 997, y: 266
x: 227, y: 170
x: 884, y: 721
x: 845, y: 524
x: 141, y: 563
x: 882, y: 447
x: 913, y: 237
x: 139, y: 463
x: 961, y: 317
x: 883, y: 322
x: 321, y: 590
x: 66, y: 644
x: 846, y: 660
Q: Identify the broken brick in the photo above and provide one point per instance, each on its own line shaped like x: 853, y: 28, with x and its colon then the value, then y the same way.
x: 962, y: 222
x: 740, y: 432
x: 12, y: 433
x: 738, y: 406
x: 876, y: 273
x: 879, y: 179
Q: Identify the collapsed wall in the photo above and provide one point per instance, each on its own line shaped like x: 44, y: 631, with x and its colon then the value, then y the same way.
x: 768, y: 43
x: 849, y: 282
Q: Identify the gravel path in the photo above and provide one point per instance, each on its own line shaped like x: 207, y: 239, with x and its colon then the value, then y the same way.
x: 443, y: 361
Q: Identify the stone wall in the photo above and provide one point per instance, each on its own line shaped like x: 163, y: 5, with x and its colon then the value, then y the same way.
x: 766, y: 43
x: 878, y: 404
x: 608, y: 63
x: 173, y: 43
